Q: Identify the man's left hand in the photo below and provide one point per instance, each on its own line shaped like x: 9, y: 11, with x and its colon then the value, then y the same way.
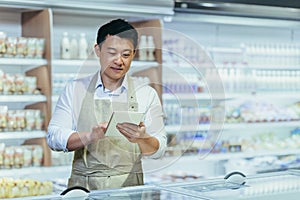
x: 133, y: 132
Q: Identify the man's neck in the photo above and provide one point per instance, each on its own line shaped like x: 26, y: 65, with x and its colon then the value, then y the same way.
x: 111, y: 84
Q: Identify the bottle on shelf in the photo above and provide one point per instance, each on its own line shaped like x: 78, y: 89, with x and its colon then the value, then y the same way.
x: 65, y: 47
x: 83, y: 47
x: 151, y: 48
x: 74, y: 47
x: 143, y: 48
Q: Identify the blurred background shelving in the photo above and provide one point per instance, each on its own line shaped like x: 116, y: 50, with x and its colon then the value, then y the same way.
x: 240, y: 68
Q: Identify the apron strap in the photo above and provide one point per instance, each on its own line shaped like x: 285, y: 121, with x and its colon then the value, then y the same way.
x: 132, y: 102
x: 90, y: 93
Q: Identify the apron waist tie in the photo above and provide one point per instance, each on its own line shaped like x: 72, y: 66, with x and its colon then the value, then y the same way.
x: 99, y: 172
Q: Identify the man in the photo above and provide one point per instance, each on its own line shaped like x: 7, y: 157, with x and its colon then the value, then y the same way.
x: 84, y: 108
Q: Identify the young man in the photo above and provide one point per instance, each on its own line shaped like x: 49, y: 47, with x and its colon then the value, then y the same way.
x: 84, y: 108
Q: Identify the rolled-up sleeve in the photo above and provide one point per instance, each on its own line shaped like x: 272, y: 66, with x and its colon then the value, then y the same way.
x: 155, y: 125
x: 61, y: 124
x: 161, y: 150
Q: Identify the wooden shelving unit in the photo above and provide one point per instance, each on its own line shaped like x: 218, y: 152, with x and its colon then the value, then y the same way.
x: 33, y: 23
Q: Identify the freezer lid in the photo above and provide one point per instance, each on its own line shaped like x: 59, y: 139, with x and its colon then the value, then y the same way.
x: 273, y: 185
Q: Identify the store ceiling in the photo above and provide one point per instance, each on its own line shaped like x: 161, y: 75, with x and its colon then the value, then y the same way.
x: 99, y: 7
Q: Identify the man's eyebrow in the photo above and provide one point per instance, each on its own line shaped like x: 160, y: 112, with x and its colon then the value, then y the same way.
x: 127, y: 50
x: 111, y: 48
x: 114, y: 49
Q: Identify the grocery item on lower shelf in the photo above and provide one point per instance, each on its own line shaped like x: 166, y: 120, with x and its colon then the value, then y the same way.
x: 261, y: 111
x: 20, y: 156
x: 263, y: 164
x: 18, y: 84
x: 20, y: 120
x: 201, y: 142
x: 13, y: 188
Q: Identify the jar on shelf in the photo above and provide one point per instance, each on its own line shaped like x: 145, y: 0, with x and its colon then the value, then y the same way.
x: 2, y: 43
x: 11, y: 47
x: 40, y: 48
x: 31, y: 47
x: 21, y: 47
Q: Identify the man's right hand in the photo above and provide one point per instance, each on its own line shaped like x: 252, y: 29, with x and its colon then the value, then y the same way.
x: 98, y: 132
x: 79, y: 140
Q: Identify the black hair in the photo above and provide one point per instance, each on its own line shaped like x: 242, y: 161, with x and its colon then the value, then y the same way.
x: 118, y: 27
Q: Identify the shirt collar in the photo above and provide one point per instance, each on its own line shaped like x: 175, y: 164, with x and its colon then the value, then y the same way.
x: 122, y: 88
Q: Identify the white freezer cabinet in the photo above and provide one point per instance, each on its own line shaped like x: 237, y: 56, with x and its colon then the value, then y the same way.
x: 275, y: 186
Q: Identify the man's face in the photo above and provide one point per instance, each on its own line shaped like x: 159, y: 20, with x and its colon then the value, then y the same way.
x: 115, y: 56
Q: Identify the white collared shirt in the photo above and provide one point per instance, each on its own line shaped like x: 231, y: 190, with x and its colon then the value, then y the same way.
x: 64, y: 119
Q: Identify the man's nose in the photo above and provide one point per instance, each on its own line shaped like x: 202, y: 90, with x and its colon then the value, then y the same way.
x: 118, y: 60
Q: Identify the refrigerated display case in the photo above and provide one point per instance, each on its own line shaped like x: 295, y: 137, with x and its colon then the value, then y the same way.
x: 279, y: 185
x: 276, y: 185
x: 257, y: 60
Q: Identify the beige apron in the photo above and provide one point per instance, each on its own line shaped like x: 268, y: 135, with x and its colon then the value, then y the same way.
x: 112, y: 162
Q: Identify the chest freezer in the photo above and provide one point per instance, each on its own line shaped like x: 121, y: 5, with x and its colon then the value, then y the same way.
x: 275, y: 186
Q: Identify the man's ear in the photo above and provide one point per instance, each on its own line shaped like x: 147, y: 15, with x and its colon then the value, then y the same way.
x: 97, y: 50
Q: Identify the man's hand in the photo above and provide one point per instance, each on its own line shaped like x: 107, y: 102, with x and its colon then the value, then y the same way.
x: 137, y: 134
x: 98, y: 132
x: 134, y: 133
x: 78, y: 140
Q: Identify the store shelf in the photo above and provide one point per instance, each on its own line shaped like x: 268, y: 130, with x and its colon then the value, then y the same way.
x: 142, y: 65
x: 228, y: 126
x: 268, y: 95
x: 25, y: 63
x: 275, y: 67
x: 215, y: 157
x: 22, y: 61
x: 22, y: 98
x: 186, y: 128
x: 75, y: 66
x: 69, y: 63
x: 84, y: 67
x: 39, y: 173
x: 247, y: 66
x: 241, y: 155
x: 184, y: 68
x: 261, y: 125
x: 22, y: 135
x: 193, y: 96
x: 231, y: 50
x: 230, y: 96
x: 66, y: 63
